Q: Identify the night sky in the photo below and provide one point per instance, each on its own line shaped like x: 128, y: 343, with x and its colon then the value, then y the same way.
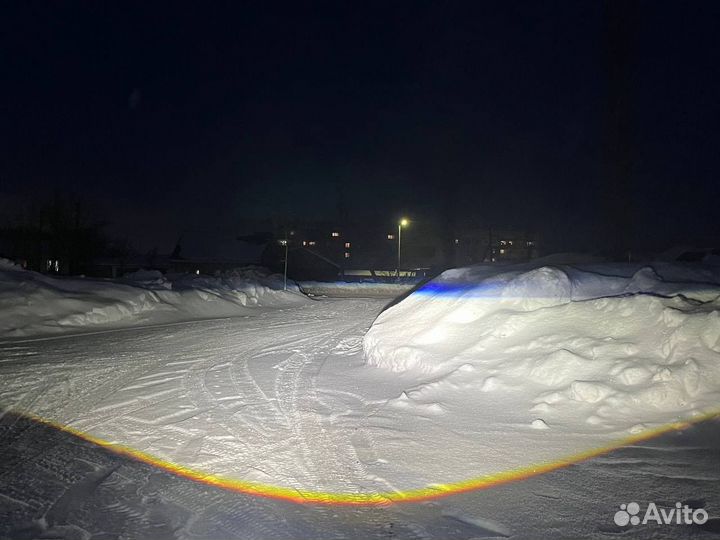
x: 169, y: 116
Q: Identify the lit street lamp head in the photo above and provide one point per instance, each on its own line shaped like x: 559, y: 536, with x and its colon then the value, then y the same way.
x: 402, y: 223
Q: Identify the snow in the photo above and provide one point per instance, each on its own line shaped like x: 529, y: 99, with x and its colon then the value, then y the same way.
x: 33, y: 304
x: 603, y: 351
x: 55, y: 485
x: 354, y: 289
x: 482, y: 372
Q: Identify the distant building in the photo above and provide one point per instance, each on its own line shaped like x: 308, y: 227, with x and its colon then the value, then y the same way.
x: 491, y: 245
x: 316, y: 250
x: 327, y: 250
x: 371, y: 249
x: 207, y: 252
x: 347, y: 247
x: 302, y: 263
x: 512, y: 245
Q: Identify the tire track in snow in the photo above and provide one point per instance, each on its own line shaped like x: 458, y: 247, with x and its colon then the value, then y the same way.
x: 236, y: 397
x: 253, y: 420
x: 341, y: 469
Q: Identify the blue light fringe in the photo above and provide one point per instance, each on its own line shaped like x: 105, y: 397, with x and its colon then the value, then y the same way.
x: 481, y: 290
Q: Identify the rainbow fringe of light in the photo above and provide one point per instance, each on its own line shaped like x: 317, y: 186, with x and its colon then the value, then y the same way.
x: 430, y: 492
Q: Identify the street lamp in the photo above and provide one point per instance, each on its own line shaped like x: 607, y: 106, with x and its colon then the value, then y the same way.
x: 402, y: 223
x: 285, y: 264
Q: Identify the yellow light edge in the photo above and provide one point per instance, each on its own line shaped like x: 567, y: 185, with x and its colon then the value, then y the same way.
x: 430, y: 492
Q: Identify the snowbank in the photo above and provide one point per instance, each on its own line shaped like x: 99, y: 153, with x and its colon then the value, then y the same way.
x: 603, y: 346
x: 361, y: 289
x: 36, y: 304
x: 499, y: 372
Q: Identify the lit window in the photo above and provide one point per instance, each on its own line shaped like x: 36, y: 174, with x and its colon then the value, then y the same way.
x: 502, y: 252
x: 502, y: 242
x: 347, y: 255
x: 391, y: 237
x: 347, y: 245
x: 311, y: 243
x: 335, y: 234
x: 510, y: 242
x: 304, y: 243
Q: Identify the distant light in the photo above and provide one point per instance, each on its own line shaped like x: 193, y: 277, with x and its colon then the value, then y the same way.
x: 335, y: 234
x: 457, y: 241
x: 283, y: 242
x: 197, y: 272
x: 311, y: 243
x: 502, y: 252
x: 347, y: 255
x: 304, y: 243
x: 347, y: 244
x: 292, y: 233
x: 404, y: 222
x: 391, y: 237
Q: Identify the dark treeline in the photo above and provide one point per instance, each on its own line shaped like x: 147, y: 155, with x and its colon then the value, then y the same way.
x: 61, y: 235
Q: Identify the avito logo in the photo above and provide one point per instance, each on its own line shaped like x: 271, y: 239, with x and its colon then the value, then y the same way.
x: 629, y: 514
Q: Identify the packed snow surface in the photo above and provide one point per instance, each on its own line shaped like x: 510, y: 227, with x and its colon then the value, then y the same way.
x: 481, y: 371
x: 357, y: 289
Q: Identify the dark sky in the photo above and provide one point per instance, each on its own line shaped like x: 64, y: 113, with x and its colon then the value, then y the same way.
x: 166, y: 116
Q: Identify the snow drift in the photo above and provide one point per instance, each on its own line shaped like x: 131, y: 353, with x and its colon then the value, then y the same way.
x: 485, y: 373
x: 36, y: 304
x: 358, y: 289
x: 612, y: 347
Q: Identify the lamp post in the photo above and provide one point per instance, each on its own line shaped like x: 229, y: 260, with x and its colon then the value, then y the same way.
x: 286, y: 263
x: 402, y: 223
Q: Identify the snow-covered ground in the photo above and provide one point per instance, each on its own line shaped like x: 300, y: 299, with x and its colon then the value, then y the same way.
x: 356, y: 289
x: 33, y: 304
x: 479, y: 373
x: 54, y: 485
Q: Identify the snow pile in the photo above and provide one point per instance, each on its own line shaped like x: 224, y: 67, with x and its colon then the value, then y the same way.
x: 153, y: 279
x: 358, y: 289
x: 256, y: 280
x: 497, y: 372
x: 613, y: 347
x: 36, y: 304
x: 6, y: 264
